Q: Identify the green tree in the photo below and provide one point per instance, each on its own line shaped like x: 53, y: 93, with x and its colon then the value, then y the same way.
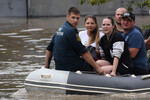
x: 139, y: 4
x: 94, y: 2
x: 143, y: 4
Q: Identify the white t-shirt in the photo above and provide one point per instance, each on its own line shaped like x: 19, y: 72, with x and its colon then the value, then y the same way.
x: 85, y: 38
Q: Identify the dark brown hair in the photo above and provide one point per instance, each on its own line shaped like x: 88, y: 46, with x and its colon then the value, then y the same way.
x: 113, y: 32
x: 73, y: 10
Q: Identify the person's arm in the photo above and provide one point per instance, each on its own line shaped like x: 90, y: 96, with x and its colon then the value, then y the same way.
x: 49, y: 52
x: 118, y: 49
x: 115, y: 65
x: 147, y: 43
x: 48, y: 59
x: 87, y: 56
x: 133, y: 52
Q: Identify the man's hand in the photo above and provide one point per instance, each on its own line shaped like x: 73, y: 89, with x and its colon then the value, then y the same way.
x: 100, y: 71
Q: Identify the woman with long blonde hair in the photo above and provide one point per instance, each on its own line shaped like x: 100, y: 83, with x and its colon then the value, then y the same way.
x: 91, y: 36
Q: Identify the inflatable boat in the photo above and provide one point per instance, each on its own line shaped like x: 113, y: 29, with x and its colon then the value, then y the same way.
x: 66, y: 82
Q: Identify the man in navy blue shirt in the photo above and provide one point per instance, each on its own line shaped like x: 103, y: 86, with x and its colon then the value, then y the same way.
x: 67, y: 48
x: 136, y: 44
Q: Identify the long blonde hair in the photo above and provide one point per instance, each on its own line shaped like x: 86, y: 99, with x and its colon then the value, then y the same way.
x: 94, y: 35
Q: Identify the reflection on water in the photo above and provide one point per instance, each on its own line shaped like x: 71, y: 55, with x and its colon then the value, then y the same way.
x: 29, y: 30
x: 21, y: 93
x: 22, y: 49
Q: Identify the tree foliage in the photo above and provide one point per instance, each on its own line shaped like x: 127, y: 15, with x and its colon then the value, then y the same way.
x: 94, y: 2
x: 143, y: 3
x: 140, y: 4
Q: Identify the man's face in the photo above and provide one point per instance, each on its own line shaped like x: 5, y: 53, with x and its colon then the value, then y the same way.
x: 118, y: 15
x: 127, y: 24
x: 73, y: 19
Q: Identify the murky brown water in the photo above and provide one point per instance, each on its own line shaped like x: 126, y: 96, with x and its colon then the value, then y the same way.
x: 22, y: 49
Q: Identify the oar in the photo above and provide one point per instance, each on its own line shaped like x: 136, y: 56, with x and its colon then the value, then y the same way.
x: 145, y: 76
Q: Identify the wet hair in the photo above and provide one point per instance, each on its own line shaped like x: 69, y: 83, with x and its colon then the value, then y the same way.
x: 94, y: 35
x: 73, y: 10
x: 113, y: 32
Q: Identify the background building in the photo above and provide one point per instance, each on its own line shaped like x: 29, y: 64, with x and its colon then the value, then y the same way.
x: 48, y: 8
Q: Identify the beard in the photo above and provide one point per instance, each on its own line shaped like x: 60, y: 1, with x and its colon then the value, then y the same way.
x: 118, y: 23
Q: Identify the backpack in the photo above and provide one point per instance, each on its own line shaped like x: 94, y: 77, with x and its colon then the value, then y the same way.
x: 93, y: 53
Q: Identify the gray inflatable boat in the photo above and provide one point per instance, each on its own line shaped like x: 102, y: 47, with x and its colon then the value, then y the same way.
x: 66, y: 82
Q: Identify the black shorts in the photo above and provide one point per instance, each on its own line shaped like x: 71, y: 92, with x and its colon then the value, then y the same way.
x: 139, y: 71
x: 121, y: 69
x: 79, y: 64
x: 82, y: 65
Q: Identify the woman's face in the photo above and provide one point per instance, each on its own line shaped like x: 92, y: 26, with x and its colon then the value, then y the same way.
x: 107, y: 26
x: 90, y: 24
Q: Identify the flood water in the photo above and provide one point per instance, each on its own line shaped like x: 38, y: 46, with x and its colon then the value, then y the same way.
x: 22, y: 50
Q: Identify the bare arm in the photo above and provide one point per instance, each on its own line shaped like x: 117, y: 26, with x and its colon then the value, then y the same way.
x: 87, y: 56
x: 147, y: 43
x: 133, y: 52
x: 48, y: 59
x: 115, y: 65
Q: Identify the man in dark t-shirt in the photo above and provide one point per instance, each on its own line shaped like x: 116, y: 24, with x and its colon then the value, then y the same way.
x: 135, y: 43
x: 67, y: 48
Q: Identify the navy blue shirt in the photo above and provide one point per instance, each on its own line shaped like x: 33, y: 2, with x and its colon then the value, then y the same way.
x: 66, y: 47
x: 134, y: 39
